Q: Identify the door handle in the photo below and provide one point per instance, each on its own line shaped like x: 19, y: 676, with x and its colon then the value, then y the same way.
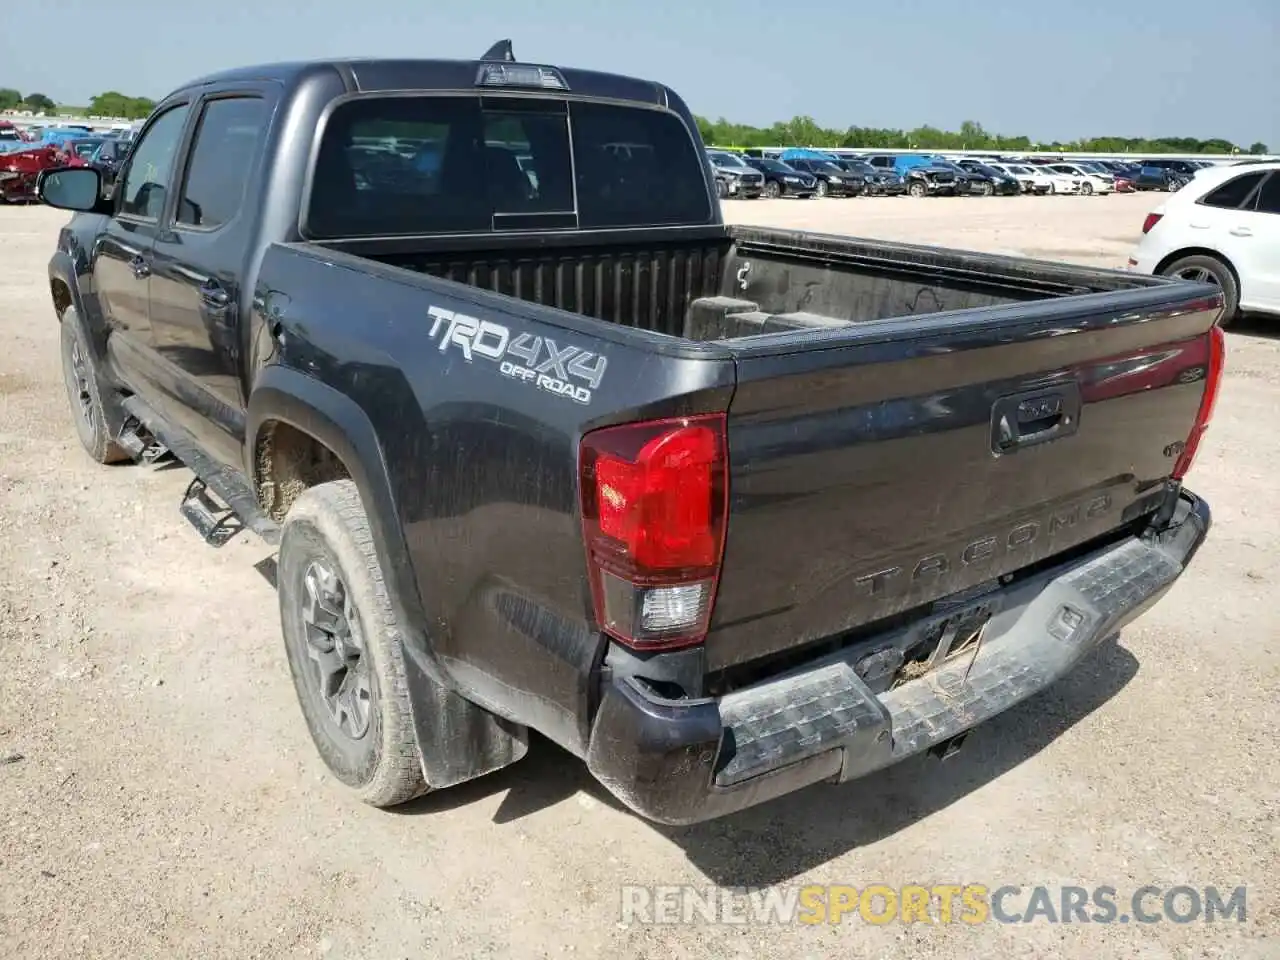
x: 1240, y: 232
x: 1025, y: 419
x: 213, y: 295
x: 141, y: 269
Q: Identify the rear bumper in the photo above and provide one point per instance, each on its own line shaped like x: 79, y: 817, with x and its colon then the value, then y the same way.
x: 691, y: 760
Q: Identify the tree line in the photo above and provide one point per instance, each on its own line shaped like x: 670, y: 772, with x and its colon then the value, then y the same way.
x: 109, y: 104
x: 798, y: 131
x: 805, y: 132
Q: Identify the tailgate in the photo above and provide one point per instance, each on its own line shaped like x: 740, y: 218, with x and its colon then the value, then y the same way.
x: 878, y: 467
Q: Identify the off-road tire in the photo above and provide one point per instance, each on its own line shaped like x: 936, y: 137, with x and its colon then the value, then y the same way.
x: 328, y: 523
x: 84, y: 393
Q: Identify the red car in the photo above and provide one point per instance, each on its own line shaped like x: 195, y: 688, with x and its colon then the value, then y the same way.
x: 19, y: 169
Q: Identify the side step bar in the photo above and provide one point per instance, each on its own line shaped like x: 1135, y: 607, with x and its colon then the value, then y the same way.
x: 218, y: 502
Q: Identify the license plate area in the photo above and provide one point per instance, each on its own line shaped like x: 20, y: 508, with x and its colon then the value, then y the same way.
x: 952, y: 636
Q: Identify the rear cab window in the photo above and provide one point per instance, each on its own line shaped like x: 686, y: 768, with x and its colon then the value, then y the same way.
x: 227, y: 143
x: 407, y: 165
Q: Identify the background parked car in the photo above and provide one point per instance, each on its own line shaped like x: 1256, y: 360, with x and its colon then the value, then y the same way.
x: 877, y: 181
x: 79, y: 152
x: 107, y: 160
x: 923, y: 178
x: 831, y: 180
x: 1126, y: 174
x: 995, y: 181
x: 734, y: 176
x: 1091, y: 181
x: 1060, y: 182
x: 20, y: 168
x: 781, y: 180
x: 1151, y: 177
x: 1030, y: 179
x: 1161, y: 174
x: 1223, y: 228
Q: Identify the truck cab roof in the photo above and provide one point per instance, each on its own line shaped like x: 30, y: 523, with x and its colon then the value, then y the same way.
x: 382, y: 75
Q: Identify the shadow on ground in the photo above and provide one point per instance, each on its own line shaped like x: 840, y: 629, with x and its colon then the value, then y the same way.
x: 789, y: 836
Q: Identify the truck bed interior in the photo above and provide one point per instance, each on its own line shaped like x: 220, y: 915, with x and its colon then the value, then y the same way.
x: 714, y: 285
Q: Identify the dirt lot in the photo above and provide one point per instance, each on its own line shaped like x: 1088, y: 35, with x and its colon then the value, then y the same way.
x: 160, y: 797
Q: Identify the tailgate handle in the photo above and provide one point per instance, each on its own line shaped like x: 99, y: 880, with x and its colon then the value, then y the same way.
x: 1038, y: 416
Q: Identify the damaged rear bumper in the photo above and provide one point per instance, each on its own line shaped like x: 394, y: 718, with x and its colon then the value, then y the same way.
x: 682, y: 761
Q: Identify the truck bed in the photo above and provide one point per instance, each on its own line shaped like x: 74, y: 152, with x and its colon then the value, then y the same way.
x: 716, y: 284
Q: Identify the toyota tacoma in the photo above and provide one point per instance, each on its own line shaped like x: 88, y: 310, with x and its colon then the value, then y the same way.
x: 545, y: 446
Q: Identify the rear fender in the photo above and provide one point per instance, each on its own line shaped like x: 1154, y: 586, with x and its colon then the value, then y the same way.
x: 457, y: 740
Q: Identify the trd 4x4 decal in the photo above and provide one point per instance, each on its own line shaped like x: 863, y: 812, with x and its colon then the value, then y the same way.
x: 567, y: 371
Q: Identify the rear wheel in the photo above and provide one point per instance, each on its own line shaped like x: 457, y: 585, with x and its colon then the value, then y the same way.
x: 1203, y: 268
x: 85, y: 393
x: 343, y: 644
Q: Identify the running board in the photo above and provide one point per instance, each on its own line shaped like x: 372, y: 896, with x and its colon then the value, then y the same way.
x: 218, y: 502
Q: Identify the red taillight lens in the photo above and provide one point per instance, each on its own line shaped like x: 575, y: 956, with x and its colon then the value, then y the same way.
x: 1151, y: 221
x: 1217, y: 347
x: 654, y: 496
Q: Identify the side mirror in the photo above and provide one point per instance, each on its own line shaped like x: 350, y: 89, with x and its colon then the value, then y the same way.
x: 70, y: 188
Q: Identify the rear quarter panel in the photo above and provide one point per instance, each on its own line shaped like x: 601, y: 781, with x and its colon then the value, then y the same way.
x: 480, y: 453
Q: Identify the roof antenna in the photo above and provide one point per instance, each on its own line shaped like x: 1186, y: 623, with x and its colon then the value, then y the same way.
x: 500, y: 51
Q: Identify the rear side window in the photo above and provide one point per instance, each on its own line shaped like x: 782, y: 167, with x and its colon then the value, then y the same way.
x: 222, y: 158
x: 1234, y: 192
x: 1269, y: 196
x: 392, y: 166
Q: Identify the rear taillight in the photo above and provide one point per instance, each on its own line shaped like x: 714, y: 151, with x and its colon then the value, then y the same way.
x: 1151, y: 221
x: 1212, y: 383
x: 654, y: 496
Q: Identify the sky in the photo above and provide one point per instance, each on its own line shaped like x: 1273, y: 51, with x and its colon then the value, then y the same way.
x: 1049, y: 69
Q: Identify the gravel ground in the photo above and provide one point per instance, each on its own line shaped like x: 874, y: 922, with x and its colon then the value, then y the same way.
x: 160, y: 797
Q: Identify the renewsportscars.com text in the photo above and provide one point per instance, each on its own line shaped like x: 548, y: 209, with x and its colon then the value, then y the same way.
x: 970, y: 904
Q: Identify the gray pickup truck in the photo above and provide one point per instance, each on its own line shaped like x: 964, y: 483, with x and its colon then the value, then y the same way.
x: 723, y: 511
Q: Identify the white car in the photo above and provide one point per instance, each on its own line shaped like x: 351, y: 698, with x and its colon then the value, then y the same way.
x: 1090, y: 181
x: 1058, y: 182
x: 1031, y: 178
x: 1222, y: 228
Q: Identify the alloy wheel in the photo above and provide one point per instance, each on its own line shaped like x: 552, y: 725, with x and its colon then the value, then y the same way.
x: 335, y: 646
x: 79, y: 384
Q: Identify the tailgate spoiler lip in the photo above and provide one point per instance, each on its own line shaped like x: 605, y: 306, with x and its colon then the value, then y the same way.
x: 1053, y: 317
